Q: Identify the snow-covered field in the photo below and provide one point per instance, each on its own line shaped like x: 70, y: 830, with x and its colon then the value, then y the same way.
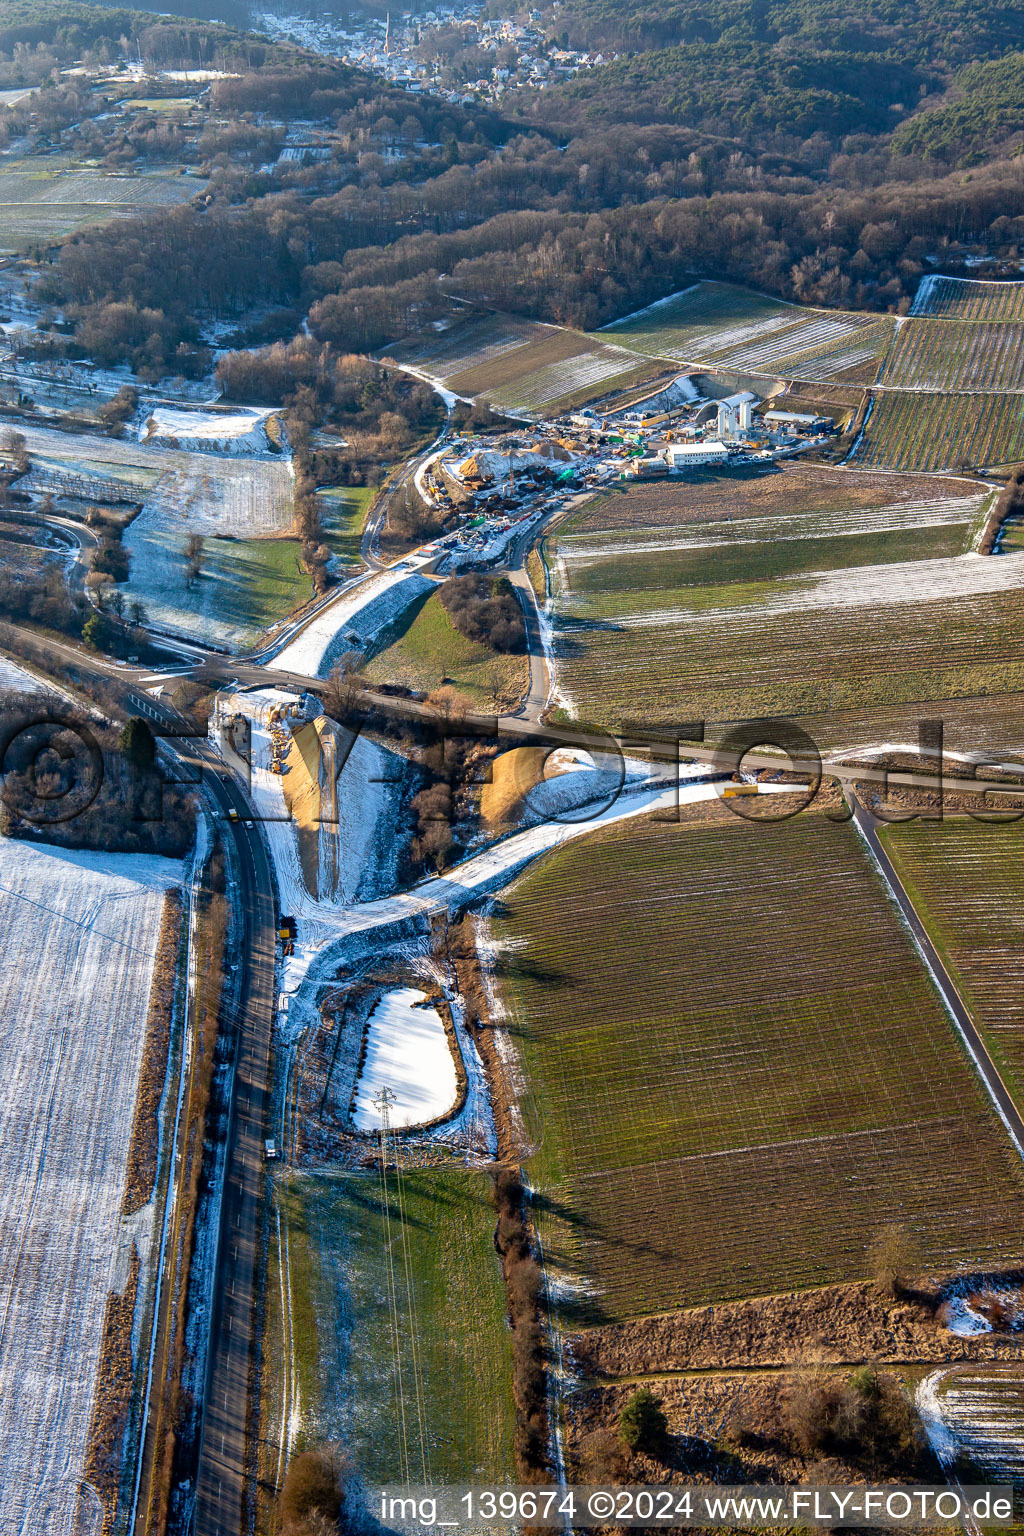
x: 353, y: 622
x: 183, y: 492
x: 978, y: 1409
x: 234, y: 497
x: 406, y: 1050
x: 15, y: 680
x: 236, y: 432
x: 79, y: 935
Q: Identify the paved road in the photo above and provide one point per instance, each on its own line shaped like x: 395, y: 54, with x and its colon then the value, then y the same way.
x: 371, y: 533
x: 222, y: 1484
x: 987, y: 1069
x: 219, y: 672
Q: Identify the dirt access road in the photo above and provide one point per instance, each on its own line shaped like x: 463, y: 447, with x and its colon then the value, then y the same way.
x: 867, y: 825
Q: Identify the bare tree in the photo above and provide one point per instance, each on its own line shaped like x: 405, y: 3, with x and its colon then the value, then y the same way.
x: 341, y: 692
x: 194, y: 550
x: 14, y: 446
x: 893, y: 1257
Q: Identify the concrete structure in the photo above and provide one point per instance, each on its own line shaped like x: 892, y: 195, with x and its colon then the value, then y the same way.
x: 734, y: 413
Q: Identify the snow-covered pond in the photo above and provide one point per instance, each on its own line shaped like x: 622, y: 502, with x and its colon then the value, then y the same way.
x: 407, y: 1049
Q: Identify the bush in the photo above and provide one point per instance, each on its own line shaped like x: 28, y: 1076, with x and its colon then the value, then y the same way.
x: 310, y: 1491
x: 863, y: 1416
x: 893, y: 1258
x: 138, y: 744
x: 485, y: 609
x: 433, y: 810
x: 642, y: 1423
x: 602, y: 1459
x: 98, y: 632
x: 113, y: 413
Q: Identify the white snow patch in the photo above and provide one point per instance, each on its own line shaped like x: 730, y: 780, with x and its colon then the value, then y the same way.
x: 962, y: 1319
x: 17, y: 680
x: 939, y: 1438
x: 407, y: 1050
x: 197, y: 74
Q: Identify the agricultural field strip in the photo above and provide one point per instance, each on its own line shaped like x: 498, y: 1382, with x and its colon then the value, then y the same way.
x: 772, y: 343
x: 93, y: 188
x: 792, y: 488
x: 560, y: 379
x: 805, y: 342
x: 928, y: 433
x: 729, y: 669
x: 981, y: 1411
x: 937, y: 354
x: 345, y: 1353
x: 918, y: 353
x: 215, y: 493
x: 878, y: 586
x: 457, y: 357
x: 727, y: 327
x: 576, y: 548
x: 738, y: 1061
x: 964, y: 298
x: 968, y: 883
x: 79, y: 935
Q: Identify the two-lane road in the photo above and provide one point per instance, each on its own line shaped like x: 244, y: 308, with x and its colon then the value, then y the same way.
x: 222, y: 1485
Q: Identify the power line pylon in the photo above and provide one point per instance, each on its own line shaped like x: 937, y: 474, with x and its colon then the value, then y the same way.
x: 383, y: 1104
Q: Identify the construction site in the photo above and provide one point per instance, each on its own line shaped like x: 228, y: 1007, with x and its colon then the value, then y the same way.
x: 490, y: 485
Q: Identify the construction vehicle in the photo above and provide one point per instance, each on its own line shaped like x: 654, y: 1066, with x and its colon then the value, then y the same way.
x: 731, y: 790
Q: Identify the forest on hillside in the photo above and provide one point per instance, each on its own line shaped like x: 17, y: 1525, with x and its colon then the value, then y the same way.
x: 830, y: 186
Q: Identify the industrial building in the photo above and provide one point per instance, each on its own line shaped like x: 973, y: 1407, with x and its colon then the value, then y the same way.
x: 681, y: 456
x: 796, y: 421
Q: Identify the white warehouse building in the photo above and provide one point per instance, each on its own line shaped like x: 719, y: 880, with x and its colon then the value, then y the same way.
x: 695, y: 455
